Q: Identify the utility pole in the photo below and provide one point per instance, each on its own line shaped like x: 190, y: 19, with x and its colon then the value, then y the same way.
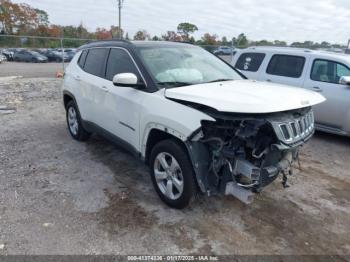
x: 120, y: 5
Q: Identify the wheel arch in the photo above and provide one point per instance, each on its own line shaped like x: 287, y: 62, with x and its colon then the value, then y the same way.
x: 195, y: 151
x: 68, y: 96
x: 155, y: 134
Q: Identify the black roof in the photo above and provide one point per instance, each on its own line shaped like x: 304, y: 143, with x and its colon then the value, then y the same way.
x: 125, y: 43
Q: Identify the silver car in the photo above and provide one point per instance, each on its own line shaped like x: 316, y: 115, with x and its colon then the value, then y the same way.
x: 324, y: 72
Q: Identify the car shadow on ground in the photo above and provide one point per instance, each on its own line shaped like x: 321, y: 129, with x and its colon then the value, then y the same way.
x: 332, y: 139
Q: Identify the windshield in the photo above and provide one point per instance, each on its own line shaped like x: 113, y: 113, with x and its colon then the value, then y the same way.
x: 182, y: 65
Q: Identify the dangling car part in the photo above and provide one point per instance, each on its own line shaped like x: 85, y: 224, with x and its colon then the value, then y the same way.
x: 240, y: 154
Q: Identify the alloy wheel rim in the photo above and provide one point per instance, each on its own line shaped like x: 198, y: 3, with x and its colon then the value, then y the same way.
x: 168, y: 175
x: 73, y: 121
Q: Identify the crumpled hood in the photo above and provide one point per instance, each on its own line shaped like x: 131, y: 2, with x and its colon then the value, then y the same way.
x: 246, y: 96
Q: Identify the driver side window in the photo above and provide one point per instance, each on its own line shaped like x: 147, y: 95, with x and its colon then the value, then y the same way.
x: 328, y: 71
x: 119, y: 62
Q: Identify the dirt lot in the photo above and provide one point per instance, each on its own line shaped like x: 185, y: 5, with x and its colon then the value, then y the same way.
x: 30, y: 69
x: 59, y: 196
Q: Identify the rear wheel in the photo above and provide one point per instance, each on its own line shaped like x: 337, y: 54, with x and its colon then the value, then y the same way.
x: 74, y: 123
x: 172, y: 174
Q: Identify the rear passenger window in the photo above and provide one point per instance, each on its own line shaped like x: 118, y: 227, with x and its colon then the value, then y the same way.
x: 95, y: 61
x: 250, y: 61
x: 119, y: 61
x: 82, y: 58
x: 286, y: 65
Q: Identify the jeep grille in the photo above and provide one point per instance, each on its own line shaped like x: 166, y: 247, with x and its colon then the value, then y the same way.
x: 296, y: 130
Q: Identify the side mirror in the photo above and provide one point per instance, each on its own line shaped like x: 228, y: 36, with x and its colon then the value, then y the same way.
x: 127, y: 80
x: 345, y: 80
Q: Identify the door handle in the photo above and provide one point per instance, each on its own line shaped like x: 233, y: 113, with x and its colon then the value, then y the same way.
x: 77, y: 78
x: 104, y: 89
x: 317, y: 89
x: 268, y: 80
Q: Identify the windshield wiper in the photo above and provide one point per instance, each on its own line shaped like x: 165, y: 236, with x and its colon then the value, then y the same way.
x: 221, y: 80
x: 174, y: 84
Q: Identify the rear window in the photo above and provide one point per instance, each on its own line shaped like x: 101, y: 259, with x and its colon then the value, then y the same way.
x: 250, y: 61
x: 286, y: 65
x: 82, y: 58
x: 95, y: 61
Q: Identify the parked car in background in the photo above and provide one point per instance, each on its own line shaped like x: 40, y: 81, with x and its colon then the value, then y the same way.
x: 8, y: 54
x: 320, y: 71
x: 224, y: 50
x: 2, y: 58
x: 197, y: 122
x: 70, y: 53
x: 29, y: 56
x: 56, y: 56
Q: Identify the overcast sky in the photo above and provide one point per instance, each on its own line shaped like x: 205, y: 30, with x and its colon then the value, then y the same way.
x: 288, y: 20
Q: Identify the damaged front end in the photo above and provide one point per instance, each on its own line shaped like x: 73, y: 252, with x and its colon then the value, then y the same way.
x: 240, y: 154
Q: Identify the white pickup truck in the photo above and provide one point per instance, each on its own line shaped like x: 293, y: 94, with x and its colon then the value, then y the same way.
x: 320, y: 71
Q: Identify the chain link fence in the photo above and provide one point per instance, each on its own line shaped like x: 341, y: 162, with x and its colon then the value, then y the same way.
x: 17, y: 51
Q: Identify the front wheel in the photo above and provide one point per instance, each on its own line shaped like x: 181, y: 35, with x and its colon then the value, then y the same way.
x: 172, y: 174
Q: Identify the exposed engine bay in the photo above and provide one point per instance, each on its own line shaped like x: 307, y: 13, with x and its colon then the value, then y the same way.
x: 240, y: 154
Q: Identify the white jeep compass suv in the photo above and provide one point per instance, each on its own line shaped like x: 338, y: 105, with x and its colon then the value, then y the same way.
x: 198, y: 123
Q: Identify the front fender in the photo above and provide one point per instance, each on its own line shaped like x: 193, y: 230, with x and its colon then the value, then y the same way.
x: 169, y: 116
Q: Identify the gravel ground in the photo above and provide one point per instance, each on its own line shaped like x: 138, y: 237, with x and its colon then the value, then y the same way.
x: 29, y: 70
x: 59, y: 196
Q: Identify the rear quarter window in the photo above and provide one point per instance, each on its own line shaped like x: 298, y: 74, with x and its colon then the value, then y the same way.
x: 250, y: 61
x: 82, y: 58
x: 286, y: 65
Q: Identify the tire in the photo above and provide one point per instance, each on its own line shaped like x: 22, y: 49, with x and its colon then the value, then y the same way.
x: 182, y: 174
x: 74, y: 123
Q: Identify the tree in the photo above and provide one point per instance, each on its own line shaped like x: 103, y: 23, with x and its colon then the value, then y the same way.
x: 55, y: 31
x: 156, y: 38
x: 141, y: 35
x: 263, y: 43
x: 325, y: 44
x: 82, y: 32
x: 172, y: 36
x: 185, y: 29
x: 279, y: 43
x: 208, y: 39
x: 224, y: 40
x: 42, y: 17
x: 20, y: 18
x: 103, y: 33
x: 242, y: 41
x: 115, y: 31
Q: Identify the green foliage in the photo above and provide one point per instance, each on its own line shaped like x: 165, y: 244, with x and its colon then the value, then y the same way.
x: 141, y: 35
x: 185, y: 29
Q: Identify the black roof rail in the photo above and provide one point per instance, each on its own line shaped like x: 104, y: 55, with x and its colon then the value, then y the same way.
x: 106, y: 41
